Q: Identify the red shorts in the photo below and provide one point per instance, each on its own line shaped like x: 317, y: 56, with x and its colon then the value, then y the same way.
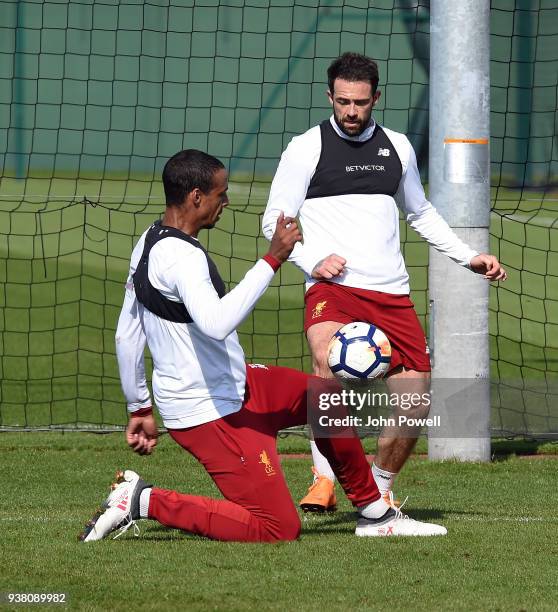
x: 394, y: 314
x: 239, y: 452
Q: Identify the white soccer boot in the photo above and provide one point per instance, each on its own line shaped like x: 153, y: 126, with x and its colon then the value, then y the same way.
x: 390, y: 500
x: 395, y: 523
x: 119, y: 511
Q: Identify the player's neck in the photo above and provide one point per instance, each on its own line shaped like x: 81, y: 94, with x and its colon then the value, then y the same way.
x: 366, y: 134
x: 181, y: 219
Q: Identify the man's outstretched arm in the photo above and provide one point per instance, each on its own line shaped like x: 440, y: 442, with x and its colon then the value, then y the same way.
x: 218, y: 317
x: 430, y: 225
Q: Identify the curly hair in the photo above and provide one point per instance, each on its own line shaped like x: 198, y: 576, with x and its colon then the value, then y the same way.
x: 187, y: 170
x: 353, y: 67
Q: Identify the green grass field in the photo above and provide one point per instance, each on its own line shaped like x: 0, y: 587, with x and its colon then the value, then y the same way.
x: 500, y: 552
x: 62, y: 269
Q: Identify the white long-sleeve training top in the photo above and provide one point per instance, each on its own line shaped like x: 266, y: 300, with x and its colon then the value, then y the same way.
x: 199, y: 371
x: 346, y: 192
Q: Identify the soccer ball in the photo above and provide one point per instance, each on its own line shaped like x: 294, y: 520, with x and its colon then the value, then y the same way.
x: 359, y: 351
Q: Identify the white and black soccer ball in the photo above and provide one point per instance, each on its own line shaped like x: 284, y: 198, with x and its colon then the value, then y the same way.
x: 359, y: 351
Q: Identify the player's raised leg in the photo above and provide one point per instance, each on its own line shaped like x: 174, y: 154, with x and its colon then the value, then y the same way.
x: 321, y: 494
x: 285, y: 395
x: 394, y: 448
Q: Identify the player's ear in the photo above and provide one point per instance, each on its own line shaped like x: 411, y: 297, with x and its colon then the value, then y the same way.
x: 377, y: 96
x: 196, y: 196
x: 330, y: 97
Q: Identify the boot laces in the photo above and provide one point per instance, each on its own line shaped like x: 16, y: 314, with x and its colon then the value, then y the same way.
x: 125, y: 525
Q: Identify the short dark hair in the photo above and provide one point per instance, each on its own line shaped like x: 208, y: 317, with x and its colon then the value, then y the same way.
x: 187, y: 170
x: 353, y: 67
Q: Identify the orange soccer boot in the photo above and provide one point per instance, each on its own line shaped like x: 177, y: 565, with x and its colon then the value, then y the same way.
x: 390, y: 500
x: 320, y: 496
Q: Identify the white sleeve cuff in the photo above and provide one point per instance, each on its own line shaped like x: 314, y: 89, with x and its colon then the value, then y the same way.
x: 135, y: 406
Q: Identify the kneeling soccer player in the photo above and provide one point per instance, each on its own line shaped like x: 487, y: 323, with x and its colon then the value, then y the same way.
x: 223, y: 412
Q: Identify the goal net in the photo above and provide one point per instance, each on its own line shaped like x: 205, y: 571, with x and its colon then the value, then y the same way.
x: 95, y: 96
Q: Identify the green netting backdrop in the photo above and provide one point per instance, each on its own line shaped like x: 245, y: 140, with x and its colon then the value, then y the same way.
x: 95, y: 96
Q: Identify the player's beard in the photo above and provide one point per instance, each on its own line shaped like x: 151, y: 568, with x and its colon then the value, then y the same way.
x: 357, y: 130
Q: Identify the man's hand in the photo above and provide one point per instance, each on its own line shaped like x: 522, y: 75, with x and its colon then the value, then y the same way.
x: 141, y: 434
x: 330, y: 266
x: 489, y: 266
x: 285, y: 237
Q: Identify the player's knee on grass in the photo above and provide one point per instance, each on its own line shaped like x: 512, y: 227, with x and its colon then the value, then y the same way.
x: 287, y: 531
x: 288, y: 527
x: 292, y: 531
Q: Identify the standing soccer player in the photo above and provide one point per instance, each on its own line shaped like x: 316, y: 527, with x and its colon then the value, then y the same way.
x: 226, y: 414
x: 347, y: 179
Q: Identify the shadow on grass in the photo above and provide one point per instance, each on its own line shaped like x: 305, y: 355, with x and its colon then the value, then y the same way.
x: 312, y: 524
x: 504, y: 449
x: 154, y: 532
x: 316, y: 524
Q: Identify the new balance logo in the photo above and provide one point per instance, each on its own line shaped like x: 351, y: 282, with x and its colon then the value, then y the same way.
x: 383, y: 152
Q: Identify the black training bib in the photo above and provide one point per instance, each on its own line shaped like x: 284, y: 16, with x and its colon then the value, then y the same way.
x: 349, y: 167
x: 150, y: 297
